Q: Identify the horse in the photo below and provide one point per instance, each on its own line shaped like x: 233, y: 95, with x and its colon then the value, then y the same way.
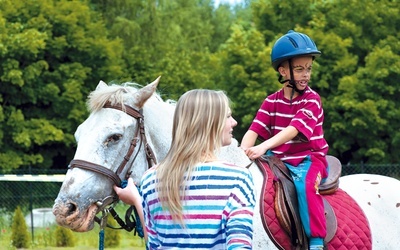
x: 130, y: 126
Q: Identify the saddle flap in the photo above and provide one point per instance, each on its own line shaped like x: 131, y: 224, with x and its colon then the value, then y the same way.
x: 331, y: 221
x: 331, y: 183
x: 286, y: 205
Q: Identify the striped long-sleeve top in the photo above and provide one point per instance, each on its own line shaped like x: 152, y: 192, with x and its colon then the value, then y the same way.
x: 217, y: 208
x: 305, y: 113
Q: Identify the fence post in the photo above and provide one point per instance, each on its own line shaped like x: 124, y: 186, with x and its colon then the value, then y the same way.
x: 31, y: 206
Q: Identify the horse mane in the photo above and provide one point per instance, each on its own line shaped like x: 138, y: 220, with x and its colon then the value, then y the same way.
x: 116, y: 94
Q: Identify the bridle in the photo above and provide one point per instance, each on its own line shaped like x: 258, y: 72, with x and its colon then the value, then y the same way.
x: 139, y: 137
x: 115, y: 176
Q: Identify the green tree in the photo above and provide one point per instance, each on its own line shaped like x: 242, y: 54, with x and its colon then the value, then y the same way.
x: 64, y: 237
x: 170, y: 38
x: 112, y: 236
x: 368, y: 102
x: 273, y: 17
x: 52, y: 54
x: 360, y: 67
x: 19, y: 230
x: 245, y: 73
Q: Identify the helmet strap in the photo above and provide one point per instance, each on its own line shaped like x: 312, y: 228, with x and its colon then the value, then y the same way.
x: 290, y: 85
x: 292, y: 82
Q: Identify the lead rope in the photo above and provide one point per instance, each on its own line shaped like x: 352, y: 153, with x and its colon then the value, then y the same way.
x: 138, y: 223
x: 103, y: 223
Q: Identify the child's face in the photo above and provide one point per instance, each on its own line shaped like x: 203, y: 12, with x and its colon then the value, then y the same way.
x: 301, y: 67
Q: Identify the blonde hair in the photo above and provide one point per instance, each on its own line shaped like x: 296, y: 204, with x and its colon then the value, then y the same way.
x: 199, y: 120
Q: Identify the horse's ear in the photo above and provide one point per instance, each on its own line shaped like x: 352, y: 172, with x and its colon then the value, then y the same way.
x: 101, y: 85
x: 146, y: 92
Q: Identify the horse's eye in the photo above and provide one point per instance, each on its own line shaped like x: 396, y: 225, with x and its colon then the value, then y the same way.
x: 116, y: 137
x: 113, y: 139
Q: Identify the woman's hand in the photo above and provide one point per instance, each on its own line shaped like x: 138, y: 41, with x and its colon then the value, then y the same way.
x: 130, y: 194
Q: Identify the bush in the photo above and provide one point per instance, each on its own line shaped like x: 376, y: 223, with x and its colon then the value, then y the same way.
x: 64, y: 237
x: 19, y: 230
x: 112, y: 237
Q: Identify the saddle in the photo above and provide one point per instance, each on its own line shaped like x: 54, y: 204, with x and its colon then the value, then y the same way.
x: 286, y: 204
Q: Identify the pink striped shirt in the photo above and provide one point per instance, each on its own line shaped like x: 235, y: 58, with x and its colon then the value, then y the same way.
x: 305, y: 113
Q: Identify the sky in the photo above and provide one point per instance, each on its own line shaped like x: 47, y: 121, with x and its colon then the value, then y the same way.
x: 231, y: 2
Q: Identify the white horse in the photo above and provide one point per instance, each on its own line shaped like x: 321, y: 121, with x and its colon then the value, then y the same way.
x: 111, y: 143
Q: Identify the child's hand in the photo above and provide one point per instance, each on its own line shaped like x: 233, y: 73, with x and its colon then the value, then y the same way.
x: 255, y: 152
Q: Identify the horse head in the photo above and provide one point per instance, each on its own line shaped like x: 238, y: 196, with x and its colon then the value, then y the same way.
x: 112, y: 144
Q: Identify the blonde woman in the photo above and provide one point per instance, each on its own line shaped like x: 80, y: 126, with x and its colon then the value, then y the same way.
x: 191, y: 200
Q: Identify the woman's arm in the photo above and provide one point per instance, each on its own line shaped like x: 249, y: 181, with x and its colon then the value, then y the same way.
x: 239, y: 225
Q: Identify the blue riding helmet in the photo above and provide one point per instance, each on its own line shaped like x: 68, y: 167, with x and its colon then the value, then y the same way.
x: 291, y: 45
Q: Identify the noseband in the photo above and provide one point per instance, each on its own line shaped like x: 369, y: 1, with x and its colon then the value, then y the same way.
x: 139, y: 137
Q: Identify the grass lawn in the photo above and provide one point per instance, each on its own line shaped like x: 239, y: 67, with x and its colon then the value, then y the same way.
x: 44, y: 238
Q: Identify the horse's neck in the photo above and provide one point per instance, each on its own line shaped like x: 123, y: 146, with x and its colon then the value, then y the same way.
x: 234, y: 154
x: 158, y: 127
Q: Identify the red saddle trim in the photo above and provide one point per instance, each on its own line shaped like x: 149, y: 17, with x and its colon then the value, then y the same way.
x: 353, y: 231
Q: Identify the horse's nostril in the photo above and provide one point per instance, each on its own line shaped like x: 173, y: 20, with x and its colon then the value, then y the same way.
x: 71, y: 208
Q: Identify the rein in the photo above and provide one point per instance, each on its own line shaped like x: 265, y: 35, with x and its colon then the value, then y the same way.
x: 140, y: 137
